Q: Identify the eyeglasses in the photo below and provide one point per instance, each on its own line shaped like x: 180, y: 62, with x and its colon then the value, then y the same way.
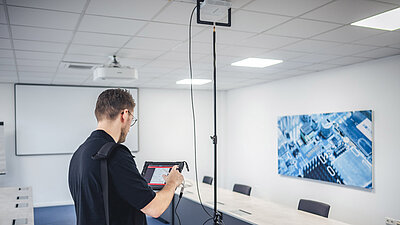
x: 134, y: 119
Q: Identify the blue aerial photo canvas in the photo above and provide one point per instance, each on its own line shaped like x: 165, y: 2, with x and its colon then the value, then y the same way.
x: 333, y: 147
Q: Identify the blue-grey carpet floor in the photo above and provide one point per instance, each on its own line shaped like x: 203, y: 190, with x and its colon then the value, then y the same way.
x: 65, y: 215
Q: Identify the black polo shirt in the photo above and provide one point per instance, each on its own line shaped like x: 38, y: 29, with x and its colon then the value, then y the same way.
x: 128, y: 190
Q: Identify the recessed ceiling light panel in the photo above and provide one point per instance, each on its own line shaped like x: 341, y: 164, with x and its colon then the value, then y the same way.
x: 389, y: 20
x: 256, y: 62
x: 193, y: 81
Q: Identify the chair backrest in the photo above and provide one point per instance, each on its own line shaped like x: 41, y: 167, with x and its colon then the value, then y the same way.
x: 207, y: 180
x: 241, y: 188
x: 314, y: 207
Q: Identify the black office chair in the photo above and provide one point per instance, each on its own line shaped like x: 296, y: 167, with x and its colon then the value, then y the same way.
x: 241, y: 188
x: 317, y: 208
x: 207, y: 180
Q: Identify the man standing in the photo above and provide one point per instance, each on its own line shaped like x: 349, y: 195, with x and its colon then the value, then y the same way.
x: 130, y: 198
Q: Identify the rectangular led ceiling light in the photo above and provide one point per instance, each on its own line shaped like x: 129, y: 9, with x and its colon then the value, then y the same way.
x: 193, y: 81
x: 389, y: 20
x: 256, y: 62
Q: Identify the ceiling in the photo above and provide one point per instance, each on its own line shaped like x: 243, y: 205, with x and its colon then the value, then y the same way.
x: 36, y: 37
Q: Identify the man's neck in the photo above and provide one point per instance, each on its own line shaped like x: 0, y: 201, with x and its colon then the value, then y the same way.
x: 110, y: 128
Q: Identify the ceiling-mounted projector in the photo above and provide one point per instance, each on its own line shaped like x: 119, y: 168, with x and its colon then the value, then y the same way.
x: 115, y: 72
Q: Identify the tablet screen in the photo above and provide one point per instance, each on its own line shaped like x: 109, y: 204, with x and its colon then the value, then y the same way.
x: 154, y: 174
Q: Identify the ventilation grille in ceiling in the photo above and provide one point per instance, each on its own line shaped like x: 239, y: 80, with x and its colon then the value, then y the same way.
x: 79, y: 65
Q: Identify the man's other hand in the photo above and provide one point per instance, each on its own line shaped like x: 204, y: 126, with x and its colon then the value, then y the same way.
x: 174, y: 177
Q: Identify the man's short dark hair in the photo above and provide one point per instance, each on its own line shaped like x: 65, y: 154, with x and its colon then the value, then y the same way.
x: 110, y: 103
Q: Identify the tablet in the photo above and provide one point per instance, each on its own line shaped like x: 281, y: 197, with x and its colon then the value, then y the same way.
x: 153, y: 172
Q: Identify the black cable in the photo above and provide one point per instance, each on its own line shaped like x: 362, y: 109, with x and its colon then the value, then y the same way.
x: 207, y: 221
x: 176, y: 207
x: 193, y: 111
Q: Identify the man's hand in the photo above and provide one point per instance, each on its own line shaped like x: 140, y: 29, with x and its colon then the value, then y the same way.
x: 163, y: 198
x: 174, y: 177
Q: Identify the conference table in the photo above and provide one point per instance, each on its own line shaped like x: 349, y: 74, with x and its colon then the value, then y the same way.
x: 237, y: 209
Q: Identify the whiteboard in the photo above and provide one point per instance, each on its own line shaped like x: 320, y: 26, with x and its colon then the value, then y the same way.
x: 58, y: 119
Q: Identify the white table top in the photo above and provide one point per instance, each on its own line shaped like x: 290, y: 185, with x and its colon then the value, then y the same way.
x: 253, y: 210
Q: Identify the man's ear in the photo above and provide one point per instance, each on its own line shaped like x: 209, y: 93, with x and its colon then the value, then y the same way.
x: 124, y: 115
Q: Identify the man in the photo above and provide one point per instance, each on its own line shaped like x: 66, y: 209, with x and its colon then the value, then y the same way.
x: 130, y: 198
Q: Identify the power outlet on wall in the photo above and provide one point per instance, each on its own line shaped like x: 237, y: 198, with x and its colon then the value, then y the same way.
x: 391, y: 221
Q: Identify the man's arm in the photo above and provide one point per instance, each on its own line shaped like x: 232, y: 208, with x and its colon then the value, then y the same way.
x: 164, y: 197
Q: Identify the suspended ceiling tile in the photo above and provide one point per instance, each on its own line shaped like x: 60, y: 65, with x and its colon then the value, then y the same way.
x: 320, y: 67
x: 395, y: 46
x: 110, y: 25
x: 167, y: 31
x: 41, y: 34
x: 151, y: 43
x: 67, y: 78
x: 280, y: 54
x: 348, y: 34
x: 108, y: 40
x: 134, y: 9
x: 8, y: 79
x: 288, y: 74
x: 173, y: 55
x: 348, y: 49
x: 154, y: 70
x: 38, y: 55
x: 285, y: 7
x: 35, y: 80
x: 40, y: 69
x: 310, y: 46
x: 177, y: 12
x: 241, y: 51
x: 239, y: 3
x: 302, y: 28
x: 380, y: 52
x: 223, y: 36
x: 4, y: 33
x: 3, y: 18
x: 197, y: 47
x: 346, y: 12
x: 167, y: 64
x: 139, y: 53
x: 42, y: 18
x: 133, y: 62
x: 39, y: 46
x: 34, y: 75
x: 6, y: 53
x: 145, y: 76
x: 268, y: 41
x: 92, y: 50
x: 31, y: 62
x: 290, y: 65
x: 385, y: 39
x: 315, y: 58
x: 62, y: 5
x: 5, y: 43
x: 5, y: 62
x: 254, y: 21
x: 347, y: 60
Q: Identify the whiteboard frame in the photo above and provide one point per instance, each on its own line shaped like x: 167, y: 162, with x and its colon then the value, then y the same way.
x: 59, y: 85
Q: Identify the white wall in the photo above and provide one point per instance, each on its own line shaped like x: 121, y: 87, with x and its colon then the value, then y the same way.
x: 251, y: 136
x: 165, y: 134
